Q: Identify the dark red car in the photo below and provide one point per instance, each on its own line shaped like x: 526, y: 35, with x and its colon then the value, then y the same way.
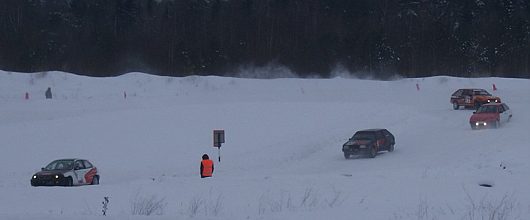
x: 369, y: 142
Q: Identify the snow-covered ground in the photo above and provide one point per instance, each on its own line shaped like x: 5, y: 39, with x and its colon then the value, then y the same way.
x: 282, y: 158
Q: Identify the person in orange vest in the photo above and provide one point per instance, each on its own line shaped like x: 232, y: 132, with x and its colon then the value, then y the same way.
x: 206, y: 166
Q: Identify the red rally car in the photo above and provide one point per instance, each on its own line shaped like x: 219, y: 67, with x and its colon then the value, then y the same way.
x: 490, y: 115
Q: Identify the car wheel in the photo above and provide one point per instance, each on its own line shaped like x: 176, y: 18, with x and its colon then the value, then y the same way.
x: 69, y: 181
x: 373, y: 152
x: 391, y: 148
x: 95, y: 180
x: 455, y: 106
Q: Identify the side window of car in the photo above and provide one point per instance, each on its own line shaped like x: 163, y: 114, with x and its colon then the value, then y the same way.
x: 379, y: 135
x: 59, y: 166
x: 501, y: 108
x: 79, y: 165
x: 457, y: 93
x: 88, y: 165
x: 505, y: 107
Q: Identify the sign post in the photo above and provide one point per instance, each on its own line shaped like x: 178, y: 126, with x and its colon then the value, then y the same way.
x: 218, y: 139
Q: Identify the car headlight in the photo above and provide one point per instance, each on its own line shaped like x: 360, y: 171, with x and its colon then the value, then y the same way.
x: 485, y: 123
x: 56, y: 176
x: 489, y: 100
x: 34, y: 176
x: 476, y: 123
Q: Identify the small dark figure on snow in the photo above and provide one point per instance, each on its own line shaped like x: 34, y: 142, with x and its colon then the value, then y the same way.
x: 206, y: 166
x: 48, y: 93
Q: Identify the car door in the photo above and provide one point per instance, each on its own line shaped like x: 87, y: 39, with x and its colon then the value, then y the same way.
x: 389, y: 137
x: 502, y: 116
x: 466, y: 97
x: 79, y: 172
x: 504, y: 112
x: 91, y: 172
x: 381, y: 143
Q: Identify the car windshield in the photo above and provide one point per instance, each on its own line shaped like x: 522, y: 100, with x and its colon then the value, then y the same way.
x: 487, y: 109
x: 481, y: 92
x: 364, y: 136
x: 60, y: 165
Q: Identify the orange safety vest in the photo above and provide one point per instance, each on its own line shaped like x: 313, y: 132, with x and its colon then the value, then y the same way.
x: 207, y: 167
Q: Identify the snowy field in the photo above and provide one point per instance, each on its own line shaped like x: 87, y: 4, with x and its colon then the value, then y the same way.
x: 282, y: 158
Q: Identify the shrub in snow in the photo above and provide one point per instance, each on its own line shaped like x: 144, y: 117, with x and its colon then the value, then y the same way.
x: 105, y: 205
x: 148, y: 205
x: 195, y: 205
x: 486, y: 209
x: 210, y: 206
x: 502, y: 209
x: 311, y: 199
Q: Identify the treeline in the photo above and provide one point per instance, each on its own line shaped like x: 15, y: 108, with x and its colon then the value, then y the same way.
x: 411, y: 38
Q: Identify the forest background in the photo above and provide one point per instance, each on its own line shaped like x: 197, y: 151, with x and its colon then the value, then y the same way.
x: 311, y: 38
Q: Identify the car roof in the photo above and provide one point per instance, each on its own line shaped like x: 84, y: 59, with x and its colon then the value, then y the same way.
x: 70, y: 159
x: 373, y: 129
x: 472, y: 89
